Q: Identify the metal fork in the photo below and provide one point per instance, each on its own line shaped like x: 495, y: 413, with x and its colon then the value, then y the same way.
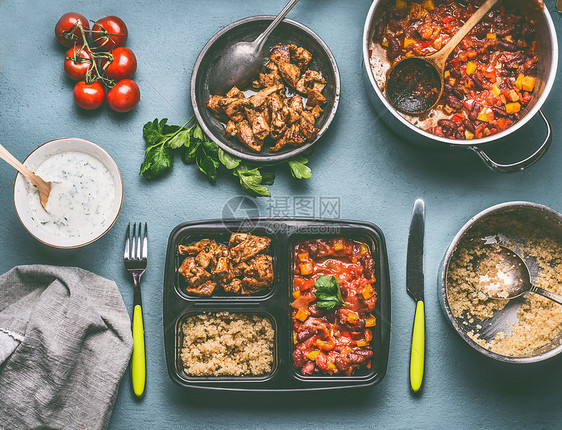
x: 135, y: 256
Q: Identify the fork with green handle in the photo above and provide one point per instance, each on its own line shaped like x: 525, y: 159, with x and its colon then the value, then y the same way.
x: 135, y: 257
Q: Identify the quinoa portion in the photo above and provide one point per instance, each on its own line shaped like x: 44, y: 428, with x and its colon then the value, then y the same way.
x: 225, y: 344
x: 539, y: 320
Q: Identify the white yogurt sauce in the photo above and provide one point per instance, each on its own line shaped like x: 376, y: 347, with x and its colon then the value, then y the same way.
x: 81, y: 199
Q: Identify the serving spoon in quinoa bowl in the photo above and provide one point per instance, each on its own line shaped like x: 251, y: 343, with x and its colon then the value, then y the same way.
x: 415, y: 84
x: 503, y: 275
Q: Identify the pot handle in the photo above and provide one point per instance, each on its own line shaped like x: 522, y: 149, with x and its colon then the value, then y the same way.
x: 519, y: 165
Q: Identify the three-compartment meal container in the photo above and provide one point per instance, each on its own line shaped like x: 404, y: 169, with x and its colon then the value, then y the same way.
x: 273, y: 303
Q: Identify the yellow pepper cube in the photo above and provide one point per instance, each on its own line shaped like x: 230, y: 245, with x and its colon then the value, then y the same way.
x: 362, y: 343
x: 518, y: 82
x: 302, y: 315
x: 428, y: 5
x: 513, y: 96
x: 338, y: 244
x: 295, y: 341
x: 470, y: 67
x: 368, y: 292
x: 331, y: 367
x: 296, y: 294
x: 401, y: 5
x: 490, y: 36
x: 306, y: 268
x: 352, y: 318
x: 528, y: 83
x: 512, y: 107
x: 303, y: 256
x: 483, y: 116
x: 385, y: 42
x: 313, y: 354
x: 408, y: 42
x: 496, y: 90
x: 468, y: 135
x: 363, y: 249
x: 371, y: 322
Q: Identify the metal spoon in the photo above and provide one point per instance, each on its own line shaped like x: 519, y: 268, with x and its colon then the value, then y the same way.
x: 514, y: 275
x: 44, y: 187
x: 243, y: 60
x: 415, y: 84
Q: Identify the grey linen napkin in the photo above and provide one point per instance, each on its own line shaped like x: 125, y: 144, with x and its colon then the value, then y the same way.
x: 65, y: 342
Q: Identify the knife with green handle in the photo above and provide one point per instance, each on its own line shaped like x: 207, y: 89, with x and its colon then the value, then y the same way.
x: 414, y: 287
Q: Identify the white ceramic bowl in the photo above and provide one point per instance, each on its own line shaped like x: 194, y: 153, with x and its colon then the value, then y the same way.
x: 22, y: 188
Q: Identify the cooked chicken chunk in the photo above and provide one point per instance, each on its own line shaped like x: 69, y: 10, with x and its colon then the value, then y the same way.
x: 260, y: 127
x: 300, y: 56
x: 311, y: 80
x: 315, y: 98
x: 193, y: 273
x: 235, y: 93
x: 243, y: 246
x: 205, y: 289
x: 231, y: 129
x: 259, y: 274
x: 295, y: 106
x: 246, y: 136
x: 280, y: 53
x: 290, y: 73
x: 234, y: 286
x: 260, y: 98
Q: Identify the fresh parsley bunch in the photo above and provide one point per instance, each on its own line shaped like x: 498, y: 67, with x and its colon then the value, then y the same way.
x: 163, y: 139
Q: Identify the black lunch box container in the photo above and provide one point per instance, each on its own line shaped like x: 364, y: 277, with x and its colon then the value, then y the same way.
x: 273, y: 303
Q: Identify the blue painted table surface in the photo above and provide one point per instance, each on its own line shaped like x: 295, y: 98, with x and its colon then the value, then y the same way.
x: 360, y: 161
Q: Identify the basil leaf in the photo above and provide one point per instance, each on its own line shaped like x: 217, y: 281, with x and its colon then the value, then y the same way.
x: 299, y: 169
x: 179, y: 140
x: 250, y: 179
x: 229, y: 161
x: 157, y: 161
x: 327, y: 292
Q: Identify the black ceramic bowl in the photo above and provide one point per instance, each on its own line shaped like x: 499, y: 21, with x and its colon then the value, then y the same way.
x: 248, y: 29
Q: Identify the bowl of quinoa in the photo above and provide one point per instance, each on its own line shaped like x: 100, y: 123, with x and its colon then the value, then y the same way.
x: 522, y: 330
x: 225, y: 344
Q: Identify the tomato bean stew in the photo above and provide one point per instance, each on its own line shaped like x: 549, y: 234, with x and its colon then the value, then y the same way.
x: 490, y: 76
x: 333, y: 299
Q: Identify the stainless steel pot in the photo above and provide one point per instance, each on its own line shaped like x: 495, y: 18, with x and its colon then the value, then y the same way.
x: 548, y: 54
x: 537, y: 214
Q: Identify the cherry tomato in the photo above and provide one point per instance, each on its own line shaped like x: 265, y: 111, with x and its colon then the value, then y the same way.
x: 109, y: 32
x: 123, y: 66
x: 76, y: 63
x: 63, y: 26
x: 89, y: 96
x: 124, y: 96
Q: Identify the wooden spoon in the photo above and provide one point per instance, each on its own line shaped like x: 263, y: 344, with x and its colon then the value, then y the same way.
x: 415, y: 84
x: 43, y: 186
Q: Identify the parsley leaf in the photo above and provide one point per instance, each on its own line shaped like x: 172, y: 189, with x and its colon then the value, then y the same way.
x: 251, y: 181
x: 228, y: 161
x: 157, y: 161
x: 299, y: 169
x: 327, y: 292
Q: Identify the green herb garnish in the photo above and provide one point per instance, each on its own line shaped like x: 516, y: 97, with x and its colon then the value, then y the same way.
x: 196, y: 148
x: 327, y: 292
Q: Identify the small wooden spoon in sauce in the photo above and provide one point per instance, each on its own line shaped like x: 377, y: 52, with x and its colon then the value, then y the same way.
x: 415, y: 84
x: 44, y: 187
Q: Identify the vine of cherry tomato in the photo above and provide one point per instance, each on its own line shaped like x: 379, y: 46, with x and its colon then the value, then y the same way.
x: 98, y: 60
